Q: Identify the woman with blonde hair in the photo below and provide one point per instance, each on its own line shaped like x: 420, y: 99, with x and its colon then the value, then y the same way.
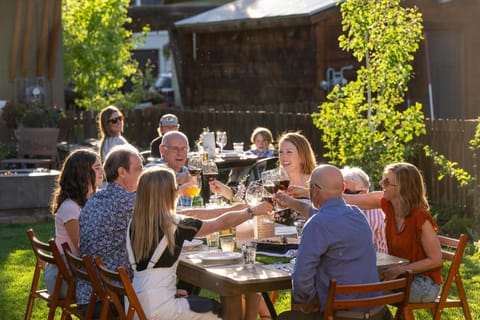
x: 296, y: 157
x: 110, y: 125
x: 409, y: 228
x: 155, y: 240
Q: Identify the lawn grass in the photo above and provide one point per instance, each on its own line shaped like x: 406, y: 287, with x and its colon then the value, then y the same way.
x: 17, y: 262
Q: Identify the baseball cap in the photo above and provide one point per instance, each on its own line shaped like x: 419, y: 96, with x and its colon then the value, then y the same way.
x: 168, y: 120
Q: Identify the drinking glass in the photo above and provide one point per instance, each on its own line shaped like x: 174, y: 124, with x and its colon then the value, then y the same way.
x: 212, y: 240
x: 254, y: 193
x: 194, y: 186
x: 268, y: 186
x: 221, y: 140
x: 249, y: 252
x: 195, y: 165
x: 210, y: 169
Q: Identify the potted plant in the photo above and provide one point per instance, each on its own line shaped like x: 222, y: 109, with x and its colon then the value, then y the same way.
x: 31, y: 115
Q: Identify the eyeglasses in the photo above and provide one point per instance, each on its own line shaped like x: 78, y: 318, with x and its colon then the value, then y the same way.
x: 309, y: 185
x: 115, y: 120
x: 177, y: 149
x: 385, y: 182
x: 348, y: 191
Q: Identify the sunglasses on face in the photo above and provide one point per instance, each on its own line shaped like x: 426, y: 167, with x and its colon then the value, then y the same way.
x: 348, y: 191
x: 115, y: 120
x: 385, y: 182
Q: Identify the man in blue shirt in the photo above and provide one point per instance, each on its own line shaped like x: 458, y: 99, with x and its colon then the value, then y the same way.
x: 336, y: 242
x: 174, y: 149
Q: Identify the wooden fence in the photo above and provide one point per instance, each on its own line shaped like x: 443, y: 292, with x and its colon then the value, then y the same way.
x: 448, y: 137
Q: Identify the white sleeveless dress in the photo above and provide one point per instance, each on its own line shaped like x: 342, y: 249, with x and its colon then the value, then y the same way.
x: 156, y: 289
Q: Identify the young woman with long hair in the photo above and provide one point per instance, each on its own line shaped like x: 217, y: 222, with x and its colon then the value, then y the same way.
x: 155, y: 240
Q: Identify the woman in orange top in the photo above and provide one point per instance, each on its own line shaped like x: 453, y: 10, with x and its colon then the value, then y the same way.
x: 409, y: 228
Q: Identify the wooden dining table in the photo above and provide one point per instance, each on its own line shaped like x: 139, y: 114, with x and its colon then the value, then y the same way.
x: 230, y: 281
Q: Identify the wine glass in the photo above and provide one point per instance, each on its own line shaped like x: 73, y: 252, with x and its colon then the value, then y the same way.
x: 268, y: 186
x: 281, y: 179
x: 195, y: 165
x: 254, y: 193
x: 210, y: 169
x: 221, y: 140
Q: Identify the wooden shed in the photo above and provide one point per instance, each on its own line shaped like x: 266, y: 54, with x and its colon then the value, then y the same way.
x: 274, y: 55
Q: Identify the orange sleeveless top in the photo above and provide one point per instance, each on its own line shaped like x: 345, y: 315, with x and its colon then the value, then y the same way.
x: 407, y: 244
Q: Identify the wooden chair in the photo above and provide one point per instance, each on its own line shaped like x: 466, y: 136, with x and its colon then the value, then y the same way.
x: 46, y: 253
x: 82, y: 268
x: 452, y: 250
x: 116, y: 284
x: 37, y: 147
x: 395, y: 292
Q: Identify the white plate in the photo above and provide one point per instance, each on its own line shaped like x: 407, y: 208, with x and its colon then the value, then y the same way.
x: 193, y: 243
x: 219, y: 256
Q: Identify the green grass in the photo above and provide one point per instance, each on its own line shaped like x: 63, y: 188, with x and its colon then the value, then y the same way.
x: 17, y: 262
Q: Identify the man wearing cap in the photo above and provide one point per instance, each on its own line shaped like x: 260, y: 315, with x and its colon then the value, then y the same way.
x: 168, y: 122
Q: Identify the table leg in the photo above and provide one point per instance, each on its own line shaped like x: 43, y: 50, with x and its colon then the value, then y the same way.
x: 232, y: 307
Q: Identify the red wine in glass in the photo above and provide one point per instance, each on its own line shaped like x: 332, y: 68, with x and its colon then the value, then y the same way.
x: 270, y: 188
x: 281, y: 184
x: 268, y: 198
x: 210, y: 176
x: 194, y: 171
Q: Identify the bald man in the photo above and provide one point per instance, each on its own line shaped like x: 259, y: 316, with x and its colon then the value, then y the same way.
x: 336, y: 243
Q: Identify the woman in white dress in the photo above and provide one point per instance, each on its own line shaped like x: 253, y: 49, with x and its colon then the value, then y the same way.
x: 154, y: 243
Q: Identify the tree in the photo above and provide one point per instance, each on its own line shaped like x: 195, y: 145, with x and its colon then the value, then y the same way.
x: 361, y: 122
x: 97, y: 50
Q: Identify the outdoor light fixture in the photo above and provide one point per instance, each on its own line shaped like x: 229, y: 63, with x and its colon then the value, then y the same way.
x: 335, y: 78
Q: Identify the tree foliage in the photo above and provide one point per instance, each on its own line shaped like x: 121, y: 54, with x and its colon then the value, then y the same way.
x: 360, y: 122
x: 97, y: 50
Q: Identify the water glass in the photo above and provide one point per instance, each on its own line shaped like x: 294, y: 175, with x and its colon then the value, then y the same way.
x: 249, y: 252
x: 299, y: 226
x: 238, y: 147
x: 227, y: 244
x: 212, y: 240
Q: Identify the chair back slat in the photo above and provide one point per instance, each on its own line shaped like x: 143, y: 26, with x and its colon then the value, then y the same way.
x: 83, y: 268
x: 117, y: 283
x: 395, y: 292
x: 452, y: 250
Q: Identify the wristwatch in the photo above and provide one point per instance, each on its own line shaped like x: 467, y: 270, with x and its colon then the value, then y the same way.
x: 250, y: 212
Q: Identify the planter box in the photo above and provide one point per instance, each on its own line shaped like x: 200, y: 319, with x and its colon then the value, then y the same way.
x: 26, y: 190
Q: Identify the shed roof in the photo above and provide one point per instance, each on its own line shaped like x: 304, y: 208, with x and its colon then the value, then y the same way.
x: 255, y: 14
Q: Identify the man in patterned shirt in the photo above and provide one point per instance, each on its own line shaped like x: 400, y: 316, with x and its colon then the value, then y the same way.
x: 105, y: 216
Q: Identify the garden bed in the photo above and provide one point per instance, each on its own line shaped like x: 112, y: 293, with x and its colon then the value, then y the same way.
x: 25, y: 194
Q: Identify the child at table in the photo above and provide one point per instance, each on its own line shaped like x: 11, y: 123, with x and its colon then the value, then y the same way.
x: 261, y: 147
x: 156, y: 236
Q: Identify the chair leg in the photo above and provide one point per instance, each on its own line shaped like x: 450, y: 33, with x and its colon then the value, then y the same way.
x: 270, y: 305
x: 462, y: 296
x: 408, y: 314
x: 28, y: 313
x: 33, y: 288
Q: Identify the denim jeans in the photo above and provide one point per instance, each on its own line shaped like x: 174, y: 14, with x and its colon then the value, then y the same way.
x: 423, y: 289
